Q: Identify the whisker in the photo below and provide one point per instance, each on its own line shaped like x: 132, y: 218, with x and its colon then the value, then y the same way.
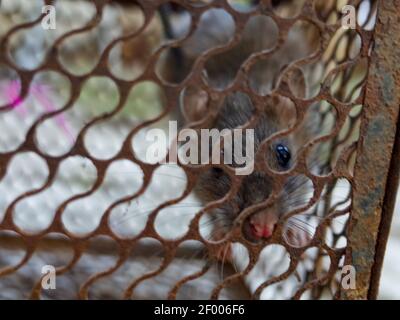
x: 139, y: 171
x: 293, y: 226
x: 213, y: 221
x: 139, y: 213
x: 299, y: 227
x: 223, y: 261
x: 301, y: 221
x: 216, y: 231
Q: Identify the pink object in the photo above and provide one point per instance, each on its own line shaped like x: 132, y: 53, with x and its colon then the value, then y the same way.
x: 41, y: 92
x: 11, y: 92
x: 261, y: 231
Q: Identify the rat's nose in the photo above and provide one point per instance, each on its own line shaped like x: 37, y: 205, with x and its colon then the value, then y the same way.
x: 261, y: 230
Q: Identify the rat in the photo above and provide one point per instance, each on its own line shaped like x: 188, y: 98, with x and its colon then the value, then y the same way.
x: 215, y: 30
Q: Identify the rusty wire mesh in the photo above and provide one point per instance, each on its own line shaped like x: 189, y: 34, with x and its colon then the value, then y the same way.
x: 77, y: 193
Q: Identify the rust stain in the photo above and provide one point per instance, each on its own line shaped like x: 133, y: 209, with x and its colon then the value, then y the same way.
x: 375, y: 151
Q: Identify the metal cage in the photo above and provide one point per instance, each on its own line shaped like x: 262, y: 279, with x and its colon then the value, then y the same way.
x: 76, y: 193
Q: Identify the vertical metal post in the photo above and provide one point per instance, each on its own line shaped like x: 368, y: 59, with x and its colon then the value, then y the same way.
x: 373, y: 186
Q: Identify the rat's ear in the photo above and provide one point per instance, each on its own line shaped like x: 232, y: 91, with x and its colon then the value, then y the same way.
x: 282, y: 109
x: 297, y: 83
x: 193, y: 103
x: 294, y: 78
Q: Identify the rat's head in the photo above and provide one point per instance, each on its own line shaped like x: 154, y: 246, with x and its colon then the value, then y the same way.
x: 256, y: 187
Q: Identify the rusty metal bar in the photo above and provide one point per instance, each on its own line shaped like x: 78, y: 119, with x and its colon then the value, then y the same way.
x: 372, y: 185
x: 392, y: 187
x: 101, y: 247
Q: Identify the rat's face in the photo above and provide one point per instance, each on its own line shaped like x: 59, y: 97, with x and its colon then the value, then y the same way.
x: 256, y: 187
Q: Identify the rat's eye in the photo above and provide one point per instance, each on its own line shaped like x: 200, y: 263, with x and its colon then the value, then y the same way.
x: 283, y: 155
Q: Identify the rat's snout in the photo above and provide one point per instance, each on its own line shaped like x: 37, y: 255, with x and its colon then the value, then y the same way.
x: 261, y: 231
x: 262, y: 224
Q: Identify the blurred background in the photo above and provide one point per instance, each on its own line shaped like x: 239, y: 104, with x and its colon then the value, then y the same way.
x: 90, y: 99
